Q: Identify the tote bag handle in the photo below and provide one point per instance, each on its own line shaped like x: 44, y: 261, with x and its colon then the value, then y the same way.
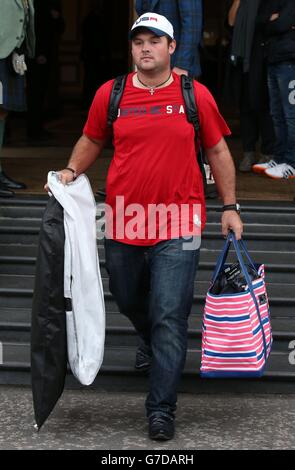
x: 223, y: 256
x: 239, y: 247
x: 250, y: 287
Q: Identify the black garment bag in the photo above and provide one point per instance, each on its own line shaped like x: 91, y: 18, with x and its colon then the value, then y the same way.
x: 48, y: 336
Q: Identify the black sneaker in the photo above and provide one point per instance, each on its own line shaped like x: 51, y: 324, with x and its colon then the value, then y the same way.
x: 161, y: 427
x: 143, y: 358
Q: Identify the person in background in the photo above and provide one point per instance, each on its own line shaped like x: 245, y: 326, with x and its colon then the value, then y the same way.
x: 17, y: 41
x: 48, y: 22
x: 95, y: 51
x: 248, y: 59
x: 187, y: 19
x: 278, y: 22
x: 53, y: 96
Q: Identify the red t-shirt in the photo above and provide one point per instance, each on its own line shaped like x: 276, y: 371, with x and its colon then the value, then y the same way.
x: 154, y: 163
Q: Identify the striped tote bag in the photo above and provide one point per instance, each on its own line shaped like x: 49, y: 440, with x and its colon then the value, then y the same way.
x: 236, y: 335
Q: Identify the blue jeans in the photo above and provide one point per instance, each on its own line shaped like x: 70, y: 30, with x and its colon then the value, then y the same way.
x: 281, y: 82
x: 153, y: 286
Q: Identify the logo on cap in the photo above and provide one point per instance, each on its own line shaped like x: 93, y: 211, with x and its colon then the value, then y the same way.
x: 146, y: 18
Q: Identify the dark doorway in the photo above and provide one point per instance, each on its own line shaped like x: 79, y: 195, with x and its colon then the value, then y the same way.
x: 104, y: 44
x: 215, y: 44
x: 95, y: 43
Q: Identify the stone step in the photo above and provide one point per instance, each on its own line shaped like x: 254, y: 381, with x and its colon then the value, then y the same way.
x: 213, y: 223
x: 275, y: 207
x: 280, y: 306
x: 24, y: 284
x: 264, y: 241
x: 269, y: 235
x: 282, y: 218
x: 19, y: 319
x: 272, y: 258
x: 127, y: 337
x: 16, y: 356
x: 26, y: 265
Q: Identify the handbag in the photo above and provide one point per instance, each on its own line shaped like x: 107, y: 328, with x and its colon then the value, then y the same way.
x: 236, y: 330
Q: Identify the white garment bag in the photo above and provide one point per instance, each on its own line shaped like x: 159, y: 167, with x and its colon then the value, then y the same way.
x: 85, y: 309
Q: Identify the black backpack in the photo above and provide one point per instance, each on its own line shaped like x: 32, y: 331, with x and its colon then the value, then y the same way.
x: 191, y: 110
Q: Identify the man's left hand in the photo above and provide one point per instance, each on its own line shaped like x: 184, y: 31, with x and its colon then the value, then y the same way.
x: 180, y: 71
x: 231, y: 221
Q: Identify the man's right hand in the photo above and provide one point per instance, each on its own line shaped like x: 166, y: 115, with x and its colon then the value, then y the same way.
x: 65, y: 176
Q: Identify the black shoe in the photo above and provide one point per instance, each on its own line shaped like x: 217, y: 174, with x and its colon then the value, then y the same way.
x: 161, y: 427
x: 143, y: 358
x: 5, y: 192
x: 8, y: 183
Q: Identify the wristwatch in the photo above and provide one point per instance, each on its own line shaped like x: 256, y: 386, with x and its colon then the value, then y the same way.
x: 73, y: 171
x: 232, y: 207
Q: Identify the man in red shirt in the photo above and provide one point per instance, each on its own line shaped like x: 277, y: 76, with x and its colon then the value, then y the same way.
x: 152, y: 261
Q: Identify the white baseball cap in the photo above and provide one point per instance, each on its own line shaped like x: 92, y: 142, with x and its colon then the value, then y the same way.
x: 158, y: 24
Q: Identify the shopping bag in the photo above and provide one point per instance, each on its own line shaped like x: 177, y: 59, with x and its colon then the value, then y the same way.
x: 236, y: 333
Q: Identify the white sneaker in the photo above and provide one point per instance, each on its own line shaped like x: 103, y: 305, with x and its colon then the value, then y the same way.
x: 262, y: 167
x: 282, y: 171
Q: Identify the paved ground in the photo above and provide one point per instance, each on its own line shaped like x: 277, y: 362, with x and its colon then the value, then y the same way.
x: 85, y: 419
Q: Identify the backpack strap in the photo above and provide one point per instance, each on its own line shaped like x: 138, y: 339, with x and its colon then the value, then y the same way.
x: 190, y: 102
x: 115, y: 99
x: 191, y: 110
